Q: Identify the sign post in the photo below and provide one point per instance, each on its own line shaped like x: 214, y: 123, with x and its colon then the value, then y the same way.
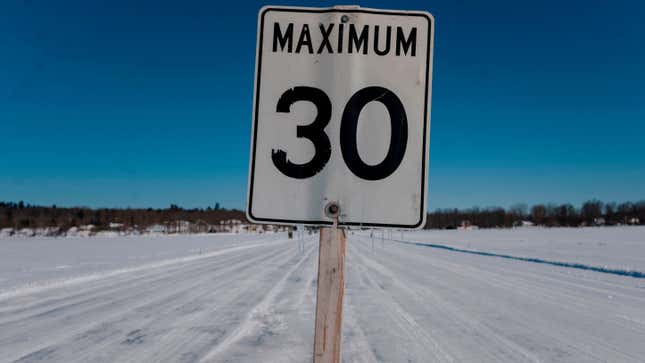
x: 330, y: 291
x: 340, y: 132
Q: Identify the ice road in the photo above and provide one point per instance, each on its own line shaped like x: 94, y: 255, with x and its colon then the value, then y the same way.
x: 250, y: 298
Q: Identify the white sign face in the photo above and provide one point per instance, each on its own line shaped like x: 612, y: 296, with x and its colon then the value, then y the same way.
x: 341, y: 113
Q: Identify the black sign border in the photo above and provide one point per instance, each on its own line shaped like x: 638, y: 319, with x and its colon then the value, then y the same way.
x: 256, y: 104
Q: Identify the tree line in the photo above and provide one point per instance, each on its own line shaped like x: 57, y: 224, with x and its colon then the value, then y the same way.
x: 590, y: 213
x: 21, y: 215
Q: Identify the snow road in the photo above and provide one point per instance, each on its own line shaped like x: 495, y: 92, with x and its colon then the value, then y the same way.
x: 253, y: 301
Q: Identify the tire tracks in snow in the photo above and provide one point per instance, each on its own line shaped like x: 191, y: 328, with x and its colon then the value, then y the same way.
x: 561, y: 299
x: 415, y: 333
x: 528, y: 294
x: 141, y: 292
x: 85, y: 293
x: 251, y: 322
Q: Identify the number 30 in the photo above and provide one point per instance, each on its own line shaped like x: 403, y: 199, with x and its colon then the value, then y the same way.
x: 315, y: 132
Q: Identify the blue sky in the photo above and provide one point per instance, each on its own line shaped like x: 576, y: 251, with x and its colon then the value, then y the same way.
x: 146, y: 103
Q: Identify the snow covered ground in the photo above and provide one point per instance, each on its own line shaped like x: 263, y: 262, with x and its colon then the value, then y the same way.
x: 250, y: 298
x: 46, y: 260
x: 613, y: 247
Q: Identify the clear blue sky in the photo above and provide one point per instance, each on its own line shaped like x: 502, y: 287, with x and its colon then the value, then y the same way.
x: 146, y: 103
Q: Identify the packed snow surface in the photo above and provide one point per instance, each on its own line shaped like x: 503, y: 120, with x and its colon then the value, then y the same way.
x: 444, y: 296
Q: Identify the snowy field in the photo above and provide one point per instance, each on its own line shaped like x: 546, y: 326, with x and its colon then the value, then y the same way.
x: 612, y: 247
x: 521, y: 295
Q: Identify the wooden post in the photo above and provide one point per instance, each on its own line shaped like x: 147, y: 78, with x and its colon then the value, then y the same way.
x: 329, y: 296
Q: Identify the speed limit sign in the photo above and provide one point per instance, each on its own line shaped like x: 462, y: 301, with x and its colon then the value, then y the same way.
x: 341, y: 114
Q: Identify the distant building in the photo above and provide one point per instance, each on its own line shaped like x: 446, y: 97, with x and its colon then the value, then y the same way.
x: 231, y: 226
x: 156, y: 228
x: 115, y: 225
x: 199, y: 227
x: 465, y: 225
x: 177, y: 227
x: 26, y: 232
x: 81, y: 231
